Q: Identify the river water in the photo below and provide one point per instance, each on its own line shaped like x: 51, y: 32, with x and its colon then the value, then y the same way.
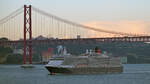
x: 14, y: 74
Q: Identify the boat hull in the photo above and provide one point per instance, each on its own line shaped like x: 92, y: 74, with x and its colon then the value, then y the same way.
x: 84, y: 70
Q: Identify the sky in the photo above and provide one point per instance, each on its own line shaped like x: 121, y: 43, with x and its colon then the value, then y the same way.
x: 117, y: 15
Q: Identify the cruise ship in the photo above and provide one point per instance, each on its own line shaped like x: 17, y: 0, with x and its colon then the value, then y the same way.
x: 88, y: 63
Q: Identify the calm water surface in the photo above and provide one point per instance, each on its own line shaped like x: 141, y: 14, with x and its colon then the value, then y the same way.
x: 133, y: 74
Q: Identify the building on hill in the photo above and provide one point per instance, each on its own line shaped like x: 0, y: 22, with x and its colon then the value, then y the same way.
x: 46, y: 55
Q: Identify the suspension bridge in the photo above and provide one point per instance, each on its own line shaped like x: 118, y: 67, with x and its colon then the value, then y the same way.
x: 29, y: 25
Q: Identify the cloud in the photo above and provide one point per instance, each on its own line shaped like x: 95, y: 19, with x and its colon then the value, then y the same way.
x: 135, y: 27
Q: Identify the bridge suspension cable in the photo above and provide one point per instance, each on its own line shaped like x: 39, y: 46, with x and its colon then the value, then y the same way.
x: 12, y: 15
x: 11, y: 26
x: 83, y: 26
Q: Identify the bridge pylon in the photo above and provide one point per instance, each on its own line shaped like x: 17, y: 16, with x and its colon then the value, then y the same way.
x: 27, y: 33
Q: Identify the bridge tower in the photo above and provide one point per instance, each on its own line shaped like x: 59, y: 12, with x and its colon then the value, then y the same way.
x: 27, y: 34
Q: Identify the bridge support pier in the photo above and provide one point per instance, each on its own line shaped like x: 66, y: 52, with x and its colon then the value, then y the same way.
x: 27, y: 30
